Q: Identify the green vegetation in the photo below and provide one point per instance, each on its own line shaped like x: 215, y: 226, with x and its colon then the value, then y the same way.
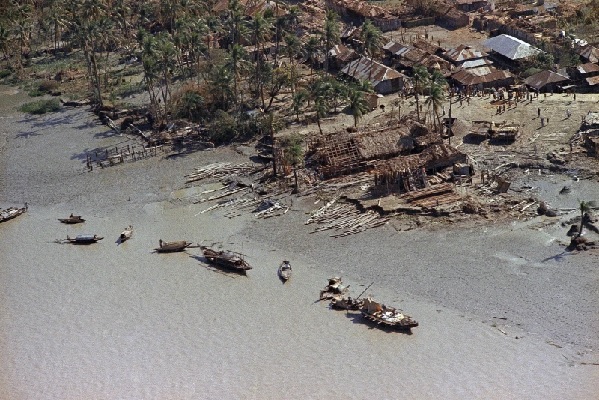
x: 41, y: 106
x: 44, y: 87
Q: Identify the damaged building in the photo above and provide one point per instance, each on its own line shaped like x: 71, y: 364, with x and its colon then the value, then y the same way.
x: 383, y: 79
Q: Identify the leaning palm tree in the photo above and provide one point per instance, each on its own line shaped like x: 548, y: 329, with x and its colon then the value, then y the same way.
x: 321, y: 109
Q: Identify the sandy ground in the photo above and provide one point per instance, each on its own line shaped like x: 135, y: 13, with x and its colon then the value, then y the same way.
x: 504, y: 313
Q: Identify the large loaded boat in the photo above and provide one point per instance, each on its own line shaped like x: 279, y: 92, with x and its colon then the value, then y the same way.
x: 170, y: 247
x: 11, y: 213
x: 72, y: 219
x: 226, y: 259
x: 386, y: 316
x: 84, y: 239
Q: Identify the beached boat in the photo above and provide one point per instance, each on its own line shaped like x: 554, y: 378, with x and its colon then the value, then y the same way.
x: 84, y: 239
x: 227, y: 259
x: 126, y: 234
x: 285, y: 271
x: 11, y: 213
x: 346, y: 303
x: 335, y: 288
x: 386, y: 316
x: 72, y: 219
x: 170, y: 247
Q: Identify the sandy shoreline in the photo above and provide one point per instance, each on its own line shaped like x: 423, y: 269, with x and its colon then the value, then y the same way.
x: 503, y: 314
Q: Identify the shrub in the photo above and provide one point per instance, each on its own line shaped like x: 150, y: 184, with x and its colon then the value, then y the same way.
x: 40, y: 107
x: 4, y: 73
x: 189, y: 103
x: 223, y: 128
x: 44, y: 87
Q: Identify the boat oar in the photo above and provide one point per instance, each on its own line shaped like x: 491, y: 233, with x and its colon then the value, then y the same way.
x: 364, y: 291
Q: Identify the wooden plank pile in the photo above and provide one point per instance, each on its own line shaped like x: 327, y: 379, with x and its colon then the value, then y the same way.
x: 344, y: 218
x: 432, y: 196
x: 219, y: 170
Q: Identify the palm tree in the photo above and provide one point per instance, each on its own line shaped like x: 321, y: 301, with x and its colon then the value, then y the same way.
x: 292, y: 48
x: 435, y: 101
x: 261, y: 32
x: 321, y: 110
x: 330, y: 34
x: 293, y: 153
x: 371, y: 37
x: 357, y: 104
x: 310, y: 51
x: 419, y: 76
x: 299, y: 99
x: 234, y: 62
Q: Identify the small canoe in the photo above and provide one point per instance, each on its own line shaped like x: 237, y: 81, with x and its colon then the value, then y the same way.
x: 285, y: 271
x: 72, y: 219
x: 170, y: 247
x: 84, y: 239
x: 126, y: 234
x: 11, y: 213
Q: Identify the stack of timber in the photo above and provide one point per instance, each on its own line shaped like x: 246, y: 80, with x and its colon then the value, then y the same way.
x: 219, y: 170
x: 432, y: 196
x: 345, y: 218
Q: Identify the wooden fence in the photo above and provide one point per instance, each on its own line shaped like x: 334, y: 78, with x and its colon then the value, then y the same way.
x: 115, y: 155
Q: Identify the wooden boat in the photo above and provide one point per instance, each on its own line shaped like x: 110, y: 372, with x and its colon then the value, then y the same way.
x: 346, y: 303
x: 72, y: 219
x: 11, y: 213
x: 84, y: 239
x: 227, y: 259
x: 171, y: 247
x: 386, y: 316
x: 126, y: 234
x: 285, y: 271
x: 333, y: 289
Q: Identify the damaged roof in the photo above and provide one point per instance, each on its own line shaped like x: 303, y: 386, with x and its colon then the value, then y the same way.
x: 463, y: 53
x: 589, y: 53
x: 383, y: 143
x: 366, y: 69
x: 588, y: 68
x: 343, y: 53
x: 478, y: 75
x: 544, y: 78
x: 511, y: 47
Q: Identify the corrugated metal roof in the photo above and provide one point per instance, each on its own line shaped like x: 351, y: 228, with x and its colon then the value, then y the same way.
x: 475, y: 76
x: 590, y: 53
x: 342, y: 53
x: 588, y: 68
x: 463, y: 53
x: 511, y: 47
x: 476, y: 63
x: 543, y: 78
x: 366, y: 69
x: 593, y: 81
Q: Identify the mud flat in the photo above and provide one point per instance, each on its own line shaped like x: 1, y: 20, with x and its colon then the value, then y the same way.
x: 503, y: 312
